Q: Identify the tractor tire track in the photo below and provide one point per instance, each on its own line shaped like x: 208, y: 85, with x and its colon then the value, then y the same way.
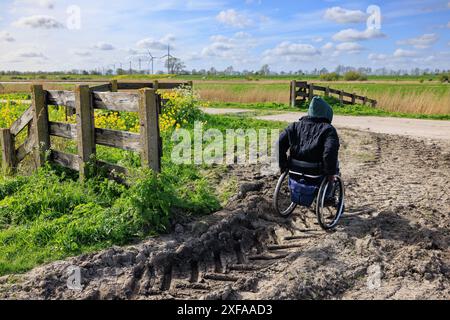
x: 393, y: 242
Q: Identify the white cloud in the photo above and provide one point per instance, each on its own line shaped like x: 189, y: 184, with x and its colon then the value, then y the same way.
x: 31, y: 54
x: 23, y: 55
x: 217, y: 49
x: 232, y: 48
x: 48, y: 4
x: 421, y: 42
x: 38, y: 21
x: 82, y: 53
x: 448, y: 25
x: 104, y: 46
x: 377, y: 57
x: 132, y: 52
x: 328, y: 46
x: 341, y: 15
x: 242, y: 35
x: 292, y: 52
x: 6, y: 37
x: 401, y: 53
x: 317, y: 39
x: 155, y: 44
x: 350, y: 35
x: 233, y: 18
x: 350, y: 47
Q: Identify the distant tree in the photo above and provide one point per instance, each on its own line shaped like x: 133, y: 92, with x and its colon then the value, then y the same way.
x: 212, y: 71
x: 323, y: 71
x: 229, y: 71
x: 265, y: 70
x: 175, y: 65
x: 121, y: 72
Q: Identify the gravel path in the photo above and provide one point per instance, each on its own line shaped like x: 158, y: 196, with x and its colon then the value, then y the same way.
x: 418, y: 128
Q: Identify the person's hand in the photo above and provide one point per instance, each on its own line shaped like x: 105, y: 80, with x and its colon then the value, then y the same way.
x: 331, y: 179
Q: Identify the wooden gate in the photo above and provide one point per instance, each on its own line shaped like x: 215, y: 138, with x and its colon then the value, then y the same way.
x: 83, y: 100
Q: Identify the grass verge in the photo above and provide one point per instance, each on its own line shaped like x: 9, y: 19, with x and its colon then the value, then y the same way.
x: 49, y: 215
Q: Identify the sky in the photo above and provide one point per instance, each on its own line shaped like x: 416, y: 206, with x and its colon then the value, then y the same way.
x: 290, y: 35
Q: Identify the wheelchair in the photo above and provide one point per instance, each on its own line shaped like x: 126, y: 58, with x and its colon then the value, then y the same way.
x: 327, y: 198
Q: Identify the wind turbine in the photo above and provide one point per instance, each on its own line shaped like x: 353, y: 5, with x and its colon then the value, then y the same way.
x: 169, y: 57
x: 151, y: 60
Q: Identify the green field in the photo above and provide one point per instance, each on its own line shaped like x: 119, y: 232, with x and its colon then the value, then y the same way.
x: 75, y: 77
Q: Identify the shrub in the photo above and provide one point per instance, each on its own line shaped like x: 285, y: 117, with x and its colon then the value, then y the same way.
x: 444, y: 77
x: 355, y: 76
x: 182, y: 108
x: 329, y: 76
x: 9, y: 113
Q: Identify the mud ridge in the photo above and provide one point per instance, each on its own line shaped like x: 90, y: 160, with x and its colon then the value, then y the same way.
x: 393, y: 242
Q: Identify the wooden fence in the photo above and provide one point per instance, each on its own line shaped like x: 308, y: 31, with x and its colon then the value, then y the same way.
x: 83, y: 100
x: 303, y: 91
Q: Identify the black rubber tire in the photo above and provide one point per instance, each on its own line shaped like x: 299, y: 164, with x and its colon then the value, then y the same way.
x: 276, y: 198
x: 340, y: 206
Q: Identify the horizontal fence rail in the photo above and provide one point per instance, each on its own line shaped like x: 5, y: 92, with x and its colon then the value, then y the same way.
x: 302, y: 91
x: 82, y: 102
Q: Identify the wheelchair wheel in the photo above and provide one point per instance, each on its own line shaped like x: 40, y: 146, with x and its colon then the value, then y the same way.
x: 330, y: 205
x: 282, y: 203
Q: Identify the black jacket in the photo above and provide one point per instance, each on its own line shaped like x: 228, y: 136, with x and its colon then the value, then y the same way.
x: 311, y: 140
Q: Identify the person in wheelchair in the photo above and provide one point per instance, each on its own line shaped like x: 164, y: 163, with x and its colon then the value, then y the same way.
x: 313, y: 143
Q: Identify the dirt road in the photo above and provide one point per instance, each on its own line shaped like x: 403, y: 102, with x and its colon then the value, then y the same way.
x: 393, y: 242
x: 429, y: 129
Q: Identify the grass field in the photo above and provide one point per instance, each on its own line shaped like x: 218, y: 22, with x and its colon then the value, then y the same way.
x: 71, y: 77
x: 399, y: 95
x: 415, y: 98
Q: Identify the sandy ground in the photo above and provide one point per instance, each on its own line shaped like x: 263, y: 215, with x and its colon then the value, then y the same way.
x: 430, y: 129
x: 393, y: 242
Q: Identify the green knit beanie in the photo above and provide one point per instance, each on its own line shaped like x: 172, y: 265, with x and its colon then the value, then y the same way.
x: 319, y: 108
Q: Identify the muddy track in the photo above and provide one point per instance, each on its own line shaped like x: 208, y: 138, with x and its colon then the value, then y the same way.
x: 393, y: 242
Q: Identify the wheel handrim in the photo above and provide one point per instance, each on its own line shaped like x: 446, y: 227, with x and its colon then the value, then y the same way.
x: 329, y: 216
x: 282, y: 199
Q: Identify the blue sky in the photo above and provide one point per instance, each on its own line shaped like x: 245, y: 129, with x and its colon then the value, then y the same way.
x: 287, y: 35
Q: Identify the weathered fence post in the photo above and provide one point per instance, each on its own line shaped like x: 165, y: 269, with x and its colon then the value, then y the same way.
x: 353, y: 98
x: 156, y: 85
x: 293, y: 97
x: 311, y: 92
x: 149, y: 122
x: 8, y: 151
x: 327, y: 91
x: 364, y: 100
x: 40, y: 124
x: 114, y: 86
x: 341, y: 97
x: 85, y: 128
